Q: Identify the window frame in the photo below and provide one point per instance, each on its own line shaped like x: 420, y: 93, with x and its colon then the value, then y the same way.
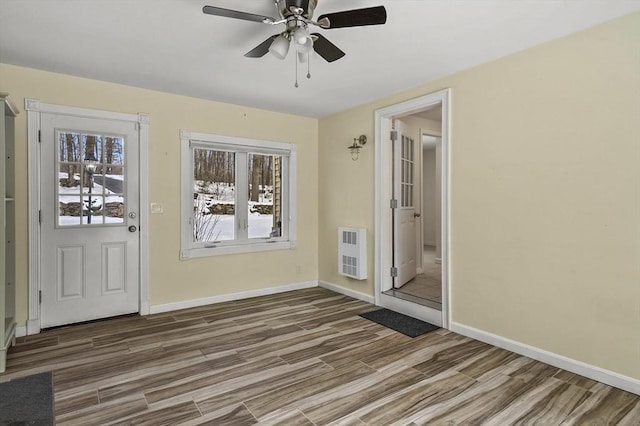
x: 189, y: 141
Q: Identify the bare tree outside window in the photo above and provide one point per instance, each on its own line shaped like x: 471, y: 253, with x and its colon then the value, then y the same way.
x: 215, y: 196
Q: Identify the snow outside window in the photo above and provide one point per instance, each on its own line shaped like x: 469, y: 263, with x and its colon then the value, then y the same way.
x: 238, y: 195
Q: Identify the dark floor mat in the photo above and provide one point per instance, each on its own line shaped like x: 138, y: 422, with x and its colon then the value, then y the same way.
x: 401, y: 323
x: 27, y: 401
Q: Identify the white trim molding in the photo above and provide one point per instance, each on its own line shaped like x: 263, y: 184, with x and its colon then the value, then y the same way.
x: 34, y: 110
x: 143, y: 176
x: 241, y: 147
x: 32, y: 106
x: 21, y: 331
x: 193, y: 303
x: 351, y: 293
x: 383, y: 241
x: 610, y: 378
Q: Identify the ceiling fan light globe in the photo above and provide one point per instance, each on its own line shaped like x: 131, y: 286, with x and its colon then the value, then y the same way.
x: 305, y: 48
x: 280, y: 47
x: 302, y: 39
x: 303, y: 57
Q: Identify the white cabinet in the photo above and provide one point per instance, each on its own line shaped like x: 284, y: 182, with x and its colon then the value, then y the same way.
x: 7, y: 230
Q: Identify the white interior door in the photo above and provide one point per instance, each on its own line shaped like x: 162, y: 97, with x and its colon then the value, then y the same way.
x: 404, y: 229
x: 89, y: 221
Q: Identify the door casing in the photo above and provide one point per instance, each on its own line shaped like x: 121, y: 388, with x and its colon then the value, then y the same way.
x: 34, y: 110
x: 383, y: 193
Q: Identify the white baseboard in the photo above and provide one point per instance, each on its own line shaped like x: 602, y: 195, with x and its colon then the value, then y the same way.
x: 145, y: 308
x: 33, y: 326
x: 174, y: 306
x: 21, y: 331
x: 347, y: 292
x: 611, y: 378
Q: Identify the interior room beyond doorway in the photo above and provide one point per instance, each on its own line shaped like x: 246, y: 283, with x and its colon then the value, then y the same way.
x: 425, y: 288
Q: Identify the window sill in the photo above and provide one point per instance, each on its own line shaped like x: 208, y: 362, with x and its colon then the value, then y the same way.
x: 244, y: 248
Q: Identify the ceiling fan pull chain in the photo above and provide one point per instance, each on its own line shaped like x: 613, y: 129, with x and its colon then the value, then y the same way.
x: 308, y: 65
x: 296, y: 61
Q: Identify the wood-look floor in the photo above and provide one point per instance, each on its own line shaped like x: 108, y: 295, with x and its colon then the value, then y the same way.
x: 300, y: 358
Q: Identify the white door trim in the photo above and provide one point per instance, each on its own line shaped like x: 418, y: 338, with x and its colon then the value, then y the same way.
x: 383, y: 194
x: 34, y: 109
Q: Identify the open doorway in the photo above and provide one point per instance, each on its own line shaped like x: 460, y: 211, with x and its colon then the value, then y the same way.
x: 412, y: 204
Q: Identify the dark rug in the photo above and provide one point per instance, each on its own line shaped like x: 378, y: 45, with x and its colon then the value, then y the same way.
x: 27, y: 401
x: 401, y: 323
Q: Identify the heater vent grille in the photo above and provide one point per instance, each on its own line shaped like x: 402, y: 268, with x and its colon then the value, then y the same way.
x: 352, y: 252
x: 349, y: 266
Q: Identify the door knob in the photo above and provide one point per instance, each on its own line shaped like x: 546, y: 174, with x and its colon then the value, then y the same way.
x: 416, y: 215
x: 132, y: 228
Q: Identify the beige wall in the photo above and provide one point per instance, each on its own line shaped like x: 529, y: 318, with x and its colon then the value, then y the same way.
x: 346, y: 193
x: 172, y: 280
x: 545, y: 195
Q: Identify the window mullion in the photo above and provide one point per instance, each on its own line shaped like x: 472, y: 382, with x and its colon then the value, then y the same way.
x: 285, y: 197
x: 242, y: 196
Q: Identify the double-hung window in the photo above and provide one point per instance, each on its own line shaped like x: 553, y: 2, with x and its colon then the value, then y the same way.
x: 238, y: 195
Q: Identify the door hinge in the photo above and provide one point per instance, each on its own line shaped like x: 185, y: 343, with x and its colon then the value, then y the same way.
x: 394, y: 135
x: 40, y: 297
x: 39, y: 135
x: 39, y: 216
x: 393, y: 204
x: 394, y: 272
x: 137, y: 126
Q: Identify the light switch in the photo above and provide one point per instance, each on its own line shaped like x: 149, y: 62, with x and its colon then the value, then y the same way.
x: 157, y: 208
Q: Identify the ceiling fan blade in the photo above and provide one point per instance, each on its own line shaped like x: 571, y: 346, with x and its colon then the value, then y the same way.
x: 228, y: 13
x: 356, y: 18
x: 326, y: 49
x: 262, y: 49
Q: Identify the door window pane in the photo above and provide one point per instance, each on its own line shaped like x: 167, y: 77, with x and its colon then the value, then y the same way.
x: 69, y: 147
x: 92, y: 209
x: 265, y: 196
x: 92, y: 148
x: 90, y: 191
x: 213, y: 195
x: 113, y: 152
x: 112, y: 180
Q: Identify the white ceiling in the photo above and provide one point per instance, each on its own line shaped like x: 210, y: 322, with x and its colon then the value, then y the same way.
x: 171, y: 46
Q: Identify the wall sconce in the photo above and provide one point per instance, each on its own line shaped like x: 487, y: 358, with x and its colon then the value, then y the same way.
x: 358, y: 143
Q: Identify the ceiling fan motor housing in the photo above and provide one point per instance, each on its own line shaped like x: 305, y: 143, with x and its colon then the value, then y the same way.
x: 286, y: 7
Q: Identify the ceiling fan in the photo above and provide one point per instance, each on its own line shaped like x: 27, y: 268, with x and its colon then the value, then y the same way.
x: 297, y: 16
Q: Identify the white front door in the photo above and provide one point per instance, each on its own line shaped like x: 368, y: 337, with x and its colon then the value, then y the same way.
x: 89, y: 219
x: 404, y: 230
